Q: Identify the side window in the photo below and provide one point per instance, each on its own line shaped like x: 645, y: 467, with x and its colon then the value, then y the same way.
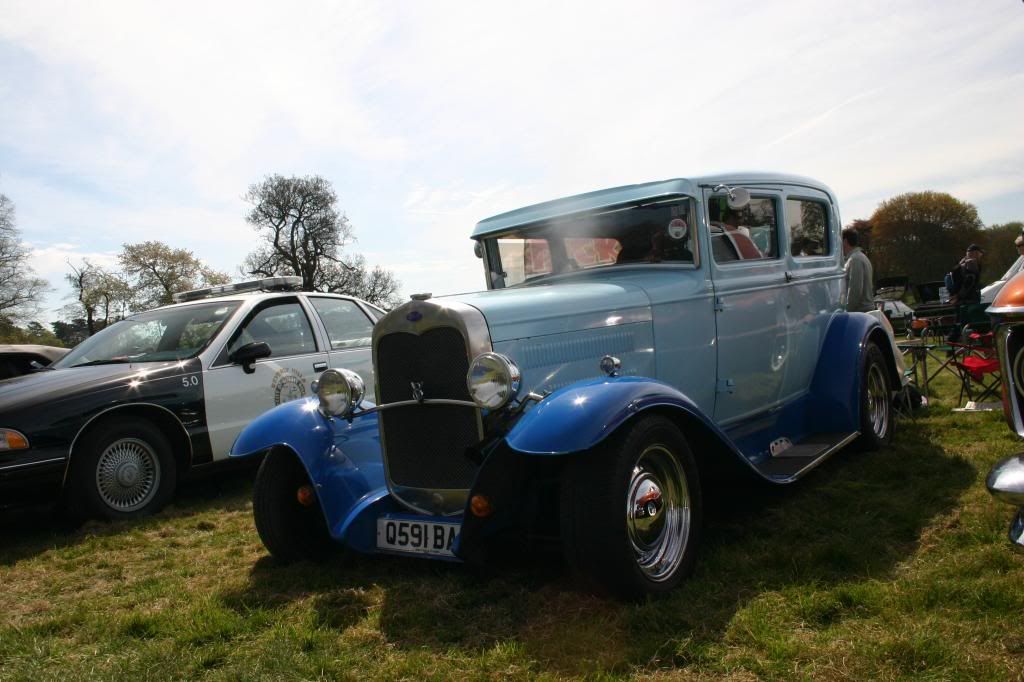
x: 347, y: 325
x: 808, y: 227
x: 283, y: 327
x: 748, y: 233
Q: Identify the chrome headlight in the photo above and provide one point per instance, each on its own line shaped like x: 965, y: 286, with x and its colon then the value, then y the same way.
x: 493, y: 380
x: 340, y: 392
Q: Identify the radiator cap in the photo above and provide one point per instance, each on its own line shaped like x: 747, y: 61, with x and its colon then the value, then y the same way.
x: 421, y: 297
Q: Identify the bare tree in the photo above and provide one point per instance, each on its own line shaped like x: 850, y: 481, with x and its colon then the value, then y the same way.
x: 303, y: 233
x: 20, y: 289
x: 102, y: 296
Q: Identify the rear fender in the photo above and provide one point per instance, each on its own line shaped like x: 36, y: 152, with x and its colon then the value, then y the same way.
x: 835, y: 389
x: 342, y: 458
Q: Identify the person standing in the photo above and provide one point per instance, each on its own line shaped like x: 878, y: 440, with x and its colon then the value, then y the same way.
x: 970, y: 277
x: 859, y: 274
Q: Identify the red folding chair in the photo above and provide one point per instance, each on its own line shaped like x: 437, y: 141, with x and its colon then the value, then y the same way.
x: 978, y: 366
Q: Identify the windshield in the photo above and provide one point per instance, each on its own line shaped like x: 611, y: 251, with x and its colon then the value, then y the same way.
x: 652, y: 233
x: 155, y: 336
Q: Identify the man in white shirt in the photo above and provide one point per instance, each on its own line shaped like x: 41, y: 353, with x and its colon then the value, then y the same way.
x: 859, y: 275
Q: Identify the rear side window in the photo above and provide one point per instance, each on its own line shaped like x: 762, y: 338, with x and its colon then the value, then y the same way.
x: 347, y: 325
x: 808, y: 227
x: 748, y: 233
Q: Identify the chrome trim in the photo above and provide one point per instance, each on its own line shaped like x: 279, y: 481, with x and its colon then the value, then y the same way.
x: 32, y: 464
x: 1017, y: 530
x: 407, y: 403
x: 1005, y: 481
x: 188, y: 438
x: 1002, y: 334
x: 430, y: 314
x: 823, y: 456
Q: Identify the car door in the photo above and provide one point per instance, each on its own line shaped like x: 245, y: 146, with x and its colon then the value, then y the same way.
x: 748, y: 273
x: 349, y: 331
x: 235, y: 396
x: 814, y: 281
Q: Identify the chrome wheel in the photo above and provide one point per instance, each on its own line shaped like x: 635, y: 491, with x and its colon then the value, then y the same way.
x: 658, y: 512
x: 127, y: 474
x: 878, y: 400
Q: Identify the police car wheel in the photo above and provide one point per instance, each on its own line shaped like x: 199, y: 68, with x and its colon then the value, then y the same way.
x: 123, y: 470
x: 287, y: 511
x: 876, y: 416
x: 631, y: 510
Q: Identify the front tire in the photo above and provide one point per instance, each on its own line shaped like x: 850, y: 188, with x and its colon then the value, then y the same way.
x: 290, y: 530
x: 876, y: 418
x: 631, y: 510
x: 125, y: 470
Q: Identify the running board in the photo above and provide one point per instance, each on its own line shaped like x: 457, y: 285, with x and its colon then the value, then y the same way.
x: 790, y: 463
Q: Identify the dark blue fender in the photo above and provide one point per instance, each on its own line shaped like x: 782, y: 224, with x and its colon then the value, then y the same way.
x: 835, y: 399
x: 580, y: 416
x: 342, y: 459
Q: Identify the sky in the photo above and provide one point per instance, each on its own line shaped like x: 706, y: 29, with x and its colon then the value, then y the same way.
x: 127, y: 121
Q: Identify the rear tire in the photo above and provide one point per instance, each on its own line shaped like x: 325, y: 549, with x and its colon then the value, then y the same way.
x: 876, y: 418
x: 289, y: 530
x: 631, y: 510
x: 124, y: 470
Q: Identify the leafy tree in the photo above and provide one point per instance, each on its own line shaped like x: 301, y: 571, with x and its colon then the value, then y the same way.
x: 1000, y: 253
x: 33, y: 332
x: 71, y: 332
x: 102, y: 296
x: 20, y: 289
x: 921, y: 235
x: 303, y: 233
x: 159, y: 271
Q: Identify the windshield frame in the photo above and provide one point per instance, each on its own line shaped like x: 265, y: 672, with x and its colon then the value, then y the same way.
x: 78, y: 353
x: 493, y: 270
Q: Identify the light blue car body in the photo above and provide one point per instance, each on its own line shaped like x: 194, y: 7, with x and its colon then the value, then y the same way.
x: 744, y: 356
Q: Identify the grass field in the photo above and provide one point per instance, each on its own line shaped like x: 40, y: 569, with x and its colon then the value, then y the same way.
x: 887, y: 565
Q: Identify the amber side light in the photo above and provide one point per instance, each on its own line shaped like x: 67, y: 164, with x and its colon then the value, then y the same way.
x: 480, y: 506
x: 305, y: 495
x: 16, y: 441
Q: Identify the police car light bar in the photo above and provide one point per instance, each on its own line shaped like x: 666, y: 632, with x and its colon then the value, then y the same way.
x: 290, y: 283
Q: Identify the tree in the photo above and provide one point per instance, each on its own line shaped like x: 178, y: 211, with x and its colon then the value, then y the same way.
x: 20, y: 289
x: 160, y: 271
x: 1000, y: 254
x: 72, y: 332
x: 102, y: 296
x: 921, y: 235
x: 304, y: 234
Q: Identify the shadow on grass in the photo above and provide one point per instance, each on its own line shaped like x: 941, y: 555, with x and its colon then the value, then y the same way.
x: 28, y: 531
x: 853, y: 519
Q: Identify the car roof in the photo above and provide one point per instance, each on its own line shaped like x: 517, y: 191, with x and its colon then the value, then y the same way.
x: 254, y: 297
x: 627, y: 194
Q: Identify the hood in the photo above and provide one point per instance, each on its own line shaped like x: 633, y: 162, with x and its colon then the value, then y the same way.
x: 57, y: 384
x: 541, y: 310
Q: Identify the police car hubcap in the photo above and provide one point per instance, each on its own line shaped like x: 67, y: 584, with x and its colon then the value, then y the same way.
x: 658, y: 512
x: 127, y: 474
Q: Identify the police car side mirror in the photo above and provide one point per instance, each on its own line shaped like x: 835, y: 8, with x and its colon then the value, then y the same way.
x: 247, y: 355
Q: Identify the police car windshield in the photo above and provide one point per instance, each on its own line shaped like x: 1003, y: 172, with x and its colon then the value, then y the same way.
x: 651, y: 233
x: 160, y: 335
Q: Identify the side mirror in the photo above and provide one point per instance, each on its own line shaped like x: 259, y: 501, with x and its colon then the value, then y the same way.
x: 738, y: 198
x: 1006, y: 483
x: 478, y: 249
x: 247, y: 355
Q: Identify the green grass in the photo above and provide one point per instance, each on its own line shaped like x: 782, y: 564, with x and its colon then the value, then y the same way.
x: 886, y: 565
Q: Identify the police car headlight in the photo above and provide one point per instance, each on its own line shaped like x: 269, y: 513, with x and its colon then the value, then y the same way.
x: 340, y: 392
x: 493, y: 380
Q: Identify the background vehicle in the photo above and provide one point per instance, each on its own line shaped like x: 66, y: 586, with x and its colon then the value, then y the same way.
x: 120, y: 417
x: 1006, y: 479
x: 632, y: 340
x: 18, y: 359
x: 898, y: 313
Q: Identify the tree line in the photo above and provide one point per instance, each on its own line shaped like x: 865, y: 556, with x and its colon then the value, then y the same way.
x: 300, y: 232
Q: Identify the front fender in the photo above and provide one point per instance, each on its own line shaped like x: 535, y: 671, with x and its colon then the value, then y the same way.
x: 342, y: 458
x: 580, y: 416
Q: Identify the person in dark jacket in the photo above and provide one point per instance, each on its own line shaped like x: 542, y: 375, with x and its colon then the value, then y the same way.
x: 970, y: 272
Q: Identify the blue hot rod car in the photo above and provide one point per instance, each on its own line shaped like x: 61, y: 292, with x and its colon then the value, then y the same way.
x: 630, y: 341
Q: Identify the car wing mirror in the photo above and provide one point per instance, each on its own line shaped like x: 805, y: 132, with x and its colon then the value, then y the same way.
x: 247, y: 355
x: 1006, y: 483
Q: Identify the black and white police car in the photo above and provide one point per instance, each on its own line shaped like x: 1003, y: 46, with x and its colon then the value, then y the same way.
x: 111, y: 426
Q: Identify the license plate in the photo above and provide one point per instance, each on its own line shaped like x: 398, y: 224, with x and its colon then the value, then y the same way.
x: 417, y: 536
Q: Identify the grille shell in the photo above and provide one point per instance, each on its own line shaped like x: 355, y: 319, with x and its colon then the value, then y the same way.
x: 425, y: 445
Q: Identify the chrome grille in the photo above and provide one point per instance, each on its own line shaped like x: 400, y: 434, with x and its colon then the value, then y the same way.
x: 425, y: 445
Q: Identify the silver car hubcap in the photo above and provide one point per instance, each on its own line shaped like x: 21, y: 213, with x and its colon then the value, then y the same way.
x: 878, y: 401
x: 127, y: 474
x: 658, y: 512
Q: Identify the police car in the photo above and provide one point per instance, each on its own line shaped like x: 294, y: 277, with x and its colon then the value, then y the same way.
x: 112, y: 425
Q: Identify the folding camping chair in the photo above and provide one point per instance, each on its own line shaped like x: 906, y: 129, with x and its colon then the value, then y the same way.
x: 977, y: 365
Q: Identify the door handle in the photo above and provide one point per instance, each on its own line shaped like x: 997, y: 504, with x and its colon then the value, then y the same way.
x: 319, y: 366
